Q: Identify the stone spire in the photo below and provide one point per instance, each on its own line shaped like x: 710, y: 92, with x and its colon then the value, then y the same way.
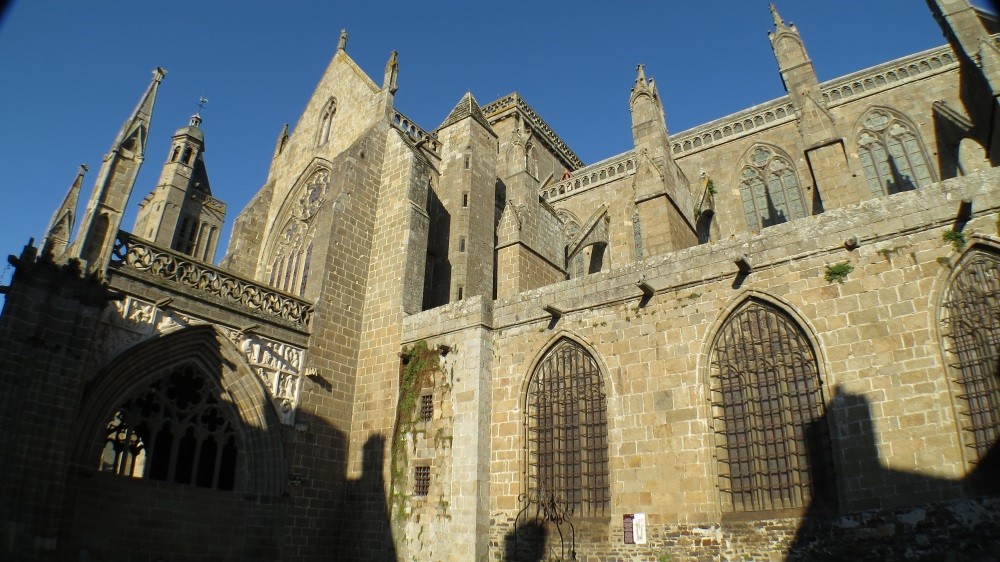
x: 57, y: 237
x: 114, y: 184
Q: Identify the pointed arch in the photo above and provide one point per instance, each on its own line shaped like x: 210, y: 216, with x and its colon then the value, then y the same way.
x: 203, y: 366
x: 892, y: 152
x: 768, y: 402
x: 769, y: 187
x: 566, y: 433
x: 290, y: 245
x: 970, y: 330
x: 326, y: 121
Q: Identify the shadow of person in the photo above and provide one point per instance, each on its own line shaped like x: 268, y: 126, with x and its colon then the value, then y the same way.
x: 888, y: 514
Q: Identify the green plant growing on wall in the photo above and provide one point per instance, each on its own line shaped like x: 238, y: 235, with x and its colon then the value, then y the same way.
x: 838, y: 272
x: 418, y: 364
x: 956, y: 238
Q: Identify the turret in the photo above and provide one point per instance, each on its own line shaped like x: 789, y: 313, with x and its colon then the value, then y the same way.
x: 114, y: 184
x: 180, y: 213
x: 461, y: 206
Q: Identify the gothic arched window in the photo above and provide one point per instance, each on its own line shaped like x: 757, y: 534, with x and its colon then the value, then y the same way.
x: 891, y: 154
x: 293, y: 251
x: 774, y: 442
x: 770, y: 189
x: 567, y: 434
x: 326, y: 121
x: 971, y: 322
x: 176, y: 430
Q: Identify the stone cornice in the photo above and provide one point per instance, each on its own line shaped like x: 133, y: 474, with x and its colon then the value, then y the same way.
x: 506, y: 106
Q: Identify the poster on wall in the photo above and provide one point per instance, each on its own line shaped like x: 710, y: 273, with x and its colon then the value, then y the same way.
x: 634, y: 528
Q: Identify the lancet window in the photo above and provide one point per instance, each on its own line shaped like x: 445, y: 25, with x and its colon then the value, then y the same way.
x: 176, y: 430
x: 891, y: 154
x: 770, y: 189
x: 326, y: 121
x: 567, y: 434
x: 971, y: 322
x: 773, y: 439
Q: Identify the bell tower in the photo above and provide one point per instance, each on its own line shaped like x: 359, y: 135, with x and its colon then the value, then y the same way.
x: 180, y: 213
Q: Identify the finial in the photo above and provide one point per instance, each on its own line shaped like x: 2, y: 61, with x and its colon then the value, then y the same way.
x: 778, y: 22
x: 641, y: 74
x: 83, y: 169
x: 159, y: 73
x: 342, y: 43
x: 391, y: 73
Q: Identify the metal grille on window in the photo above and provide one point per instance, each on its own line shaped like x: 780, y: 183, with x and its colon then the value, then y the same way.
x: 770, y: 189
x: 567, y: 434
x: 421, y: 480
x: 426, y: 407
x: 891, y: 155
x: 773, y: 437
x: 175, y: 430
x: 972, y: 338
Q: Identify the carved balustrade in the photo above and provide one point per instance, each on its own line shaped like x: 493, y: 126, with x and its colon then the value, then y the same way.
x: 134, y: 253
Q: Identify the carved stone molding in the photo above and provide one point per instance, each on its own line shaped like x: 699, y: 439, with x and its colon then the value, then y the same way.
x: 132, y: 253
x: 130, y: 321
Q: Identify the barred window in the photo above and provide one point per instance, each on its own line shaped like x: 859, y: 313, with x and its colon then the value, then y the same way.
x: 567, y: 433
x: 891, y: 154
x: 770, y: 189
x: 426, y: 407
x: 421, y: 480
x: 177, y: 430
x: 971, y: 322
x: 773, y: 438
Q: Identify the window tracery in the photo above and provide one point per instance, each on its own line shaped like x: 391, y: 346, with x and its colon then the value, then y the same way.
x: 567, y: 468
x: 774, y: 442
x: 770, y: 189
x: 971, y: 322
x: 292, y: 255
x: 891, y: 154
x: 176, y: 430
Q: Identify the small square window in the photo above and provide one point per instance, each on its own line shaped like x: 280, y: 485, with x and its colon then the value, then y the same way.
x: 421, y: 480
x: 465, y: 200
x: 426, y: 407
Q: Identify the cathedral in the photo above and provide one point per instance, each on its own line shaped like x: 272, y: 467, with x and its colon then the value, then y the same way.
x: 774, y: 336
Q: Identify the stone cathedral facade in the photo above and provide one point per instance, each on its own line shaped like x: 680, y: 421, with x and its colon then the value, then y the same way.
x: 773, y: 336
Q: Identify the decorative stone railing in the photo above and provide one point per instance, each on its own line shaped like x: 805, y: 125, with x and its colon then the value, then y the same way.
x: 133, y: 253
x: 419, y: 136
x: 494, y: 111
x: 592, y: 176
x: 887, y: 75
x: 837, y: 91
x: 765, y: 115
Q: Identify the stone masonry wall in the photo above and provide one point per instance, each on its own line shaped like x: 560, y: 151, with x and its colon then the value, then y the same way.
x: 889, y: 399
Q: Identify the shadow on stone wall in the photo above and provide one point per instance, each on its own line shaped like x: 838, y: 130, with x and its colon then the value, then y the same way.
x: 526, y: 543
x: 365, y: 530
x: 929, y: 523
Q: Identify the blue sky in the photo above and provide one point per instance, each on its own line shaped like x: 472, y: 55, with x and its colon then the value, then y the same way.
x: 71, y: 71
